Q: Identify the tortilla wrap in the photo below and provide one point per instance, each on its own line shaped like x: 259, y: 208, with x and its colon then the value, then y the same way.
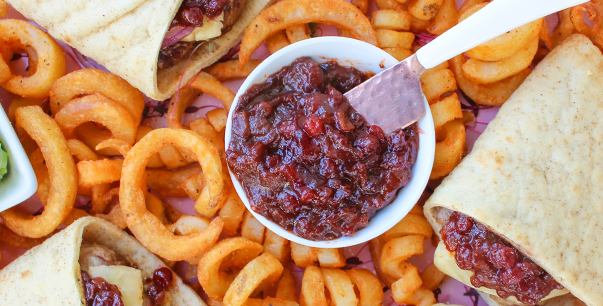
x: 125, y: 36
x: 564, y: 300
x: 49, y: 274
x: 535, y: 178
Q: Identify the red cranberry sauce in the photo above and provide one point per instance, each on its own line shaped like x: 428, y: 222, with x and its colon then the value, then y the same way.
x: 496, y: 263
x: 191, y: 12
x: 307, y: 160
x: 162, y: 279
x: 99, y: 292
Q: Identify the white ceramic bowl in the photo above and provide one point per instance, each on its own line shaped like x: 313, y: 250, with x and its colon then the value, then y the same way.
x: 364, y: 57
x: 19, y: 183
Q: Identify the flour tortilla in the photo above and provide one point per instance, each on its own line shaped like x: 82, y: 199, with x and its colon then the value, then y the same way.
x: 565, y: 300
x: 535, y: 176
x: 125, y: 36
x: 49, y: 274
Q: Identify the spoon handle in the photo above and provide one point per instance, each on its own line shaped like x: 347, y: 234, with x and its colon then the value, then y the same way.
x: 494, y: 19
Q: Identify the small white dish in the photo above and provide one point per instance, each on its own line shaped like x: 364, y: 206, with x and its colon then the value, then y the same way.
x: 364, y: 57
x: 19, y: 183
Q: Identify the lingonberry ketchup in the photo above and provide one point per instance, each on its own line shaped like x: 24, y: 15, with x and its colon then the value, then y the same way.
x: 307, y: 160
x: 496, y: 263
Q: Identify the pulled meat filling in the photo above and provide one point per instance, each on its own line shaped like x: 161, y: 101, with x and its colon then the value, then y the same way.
x: 99, y: 292
x: 495, y: 262
x: 191, y: 14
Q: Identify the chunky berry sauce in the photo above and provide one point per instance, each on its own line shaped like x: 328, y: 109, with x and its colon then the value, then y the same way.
x: 162, y: 279
x: 191, y: 12
x: 100, y: 293
x: 496, y: 263
x: 307, y: 160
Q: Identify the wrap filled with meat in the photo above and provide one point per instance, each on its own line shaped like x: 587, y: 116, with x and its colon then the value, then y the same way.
x: 524, y: 208
x: 89, y: 260
x: 128, y: 36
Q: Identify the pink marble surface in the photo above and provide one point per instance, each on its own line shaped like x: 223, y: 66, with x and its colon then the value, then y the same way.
x: 450, y: 291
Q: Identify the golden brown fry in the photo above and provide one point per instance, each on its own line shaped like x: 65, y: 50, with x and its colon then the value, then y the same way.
x: 61, y: 173
x: 368, y: 285
x: 304, y: 256
x: 467, y: 4
x: 313, y: 288
x: 490, y: 94
x: 49, y: 66
x: 115, y: 216
x: 412, y: 224
x: 446, y: 110
x: 399, y: 54
x: 144, y: 225
x: 297, y: 32
x: 420, y: 297
x: 9, y: 237
x: 227, y: 70
x: 391, y: 38
x: 419, y: 26
x: 80, y: 150
x: 90, y: 81
x: 565, y: 27
x: 287, y: 286
x: 99, y: 109
x: 341, y: 289
x: 276, y: 41
x: 436, y: 83
x: 75, y: 214
x: 38, y: 164
x: 432, y: 277
x: 483, y: 72
x: 156, y: 207
x: 193, y: 186
x: 262, y: 271
x: 95, y: 172
x: 376, y: 249
x: 331, y: 258
x: 286, y: 13
x: 217, y: 118
x: 362, y: 5
x: 251, y: 228
x: 207, y: 131
x: 277, y: 246
x: 101, y: 196
x: 424, y: 9
x: 3, y: 8
x: 155, y: 161
x: 233, y: 210
x: 397, y: 251
x: 172, y: 157
x: 19, y: 102
x: 389, y: 5
x: 168, y: 182
x: 449, y: 152
x: 121, y: 146
x: 209, y: 85
x: 391, y: 19
x: 446, y: 18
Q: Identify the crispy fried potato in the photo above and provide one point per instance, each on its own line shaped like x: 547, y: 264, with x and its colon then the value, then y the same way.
x: 446, y: 110
x: 304, y: 256
x: 391, y: 19
x: 489, y: 94
x: 368, y: 285
x: 482, y: 72
x: 251, y: 228
x: 286, y: 13
x: 262, y: 271
x: 449, y: 152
